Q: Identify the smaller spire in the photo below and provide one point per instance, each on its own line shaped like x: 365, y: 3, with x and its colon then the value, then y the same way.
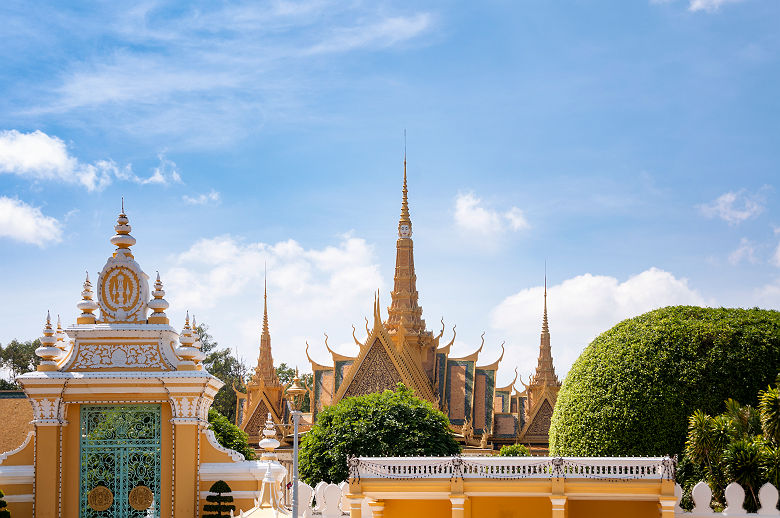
x: 545, y: 324
x: 158, y: 304
x: 265, y: 373
x: 187, y: 352
x: 405, y: 222
x: 123, y: 240
x: 86, y: 304
x: 62, y: 338
x: 48, y: 352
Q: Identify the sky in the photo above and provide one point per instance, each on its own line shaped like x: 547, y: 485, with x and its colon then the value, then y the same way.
x: 630, y: 146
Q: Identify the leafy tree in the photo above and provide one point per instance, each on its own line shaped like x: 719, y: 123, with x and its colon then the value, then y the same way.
x: 8, y: 385
x: 514, y: 450
x: 4, y: 512
x: 387, y: 423
x: 738, y: 445
x: 225, y: 366
x: 220, y: 499
x: 286, y: 375
x: 230, y: 435
x: 19, y: 357
x: 634, y: 387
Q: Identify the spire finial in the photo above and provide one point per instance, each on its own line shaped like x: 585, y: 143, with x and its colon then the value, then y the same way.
x: 265, y: 302
x: 545, y: 326
x: 158, y: 304
x: 123, y: 204
x: 405, y: 223
x: 122, y: 239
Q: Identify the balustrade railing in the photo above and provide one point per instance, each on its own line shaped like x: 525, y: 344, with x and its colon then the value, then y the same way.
x: 512, y: 467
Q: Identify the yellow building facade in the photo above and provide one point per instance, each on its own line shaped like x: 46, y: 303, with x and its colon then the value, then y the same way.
x: 120, y: 402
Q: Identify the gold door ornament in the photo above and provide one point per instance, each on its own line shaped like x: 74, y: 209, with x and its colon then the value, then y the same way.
x: 140, y: 498
x: 100, y: 498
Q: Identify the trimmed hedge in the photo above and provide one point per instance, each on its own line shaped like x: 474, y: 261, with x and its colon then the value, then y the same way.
x: 633, y: 388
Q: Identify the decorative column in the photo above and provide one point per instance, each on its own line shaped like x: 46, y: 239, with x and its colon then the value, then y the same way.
x: 558, y: 497
x: 355, y: 505
x: 377, y: 508
x: 458, y: 506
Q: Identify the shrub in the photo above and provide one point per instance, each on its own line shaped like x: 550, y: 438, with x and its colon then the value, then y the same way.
x: 633, y: 388
x: 387, y: 423
x: 514, y: 450
x: 220, y: 505
x: 230, y: 435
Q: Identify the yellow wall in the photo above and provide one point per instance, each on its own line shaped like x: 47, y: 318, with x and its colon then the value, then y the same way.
x: 612, y: 509
x: 507, y: 507
x: 412, y: 508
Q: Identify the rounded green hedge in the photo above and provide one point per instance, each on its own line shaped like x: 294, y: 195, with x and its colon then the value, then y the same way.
x: 633, y: 388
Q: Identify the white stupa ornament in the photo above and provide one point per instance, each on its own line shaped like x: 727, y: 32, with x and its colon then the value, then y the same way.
x: 269, y: 442
x: 87, y: 305
x: 158, y: 304
x: 62, y: 338
x: 48, y: 352
x: 123, y: 240
x: 196, y: 344
x: 186, y: 352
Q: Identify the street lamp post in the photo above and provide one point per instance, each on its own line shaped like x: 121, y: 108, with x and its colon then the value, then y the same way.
x: 294, y: 392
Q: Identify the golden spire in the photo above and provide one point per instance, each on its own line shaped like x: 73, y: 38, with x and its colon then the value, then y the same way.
x: 404, y: 312
x: 48, y: 352
x: 545, y: 370
x: 265, y: 373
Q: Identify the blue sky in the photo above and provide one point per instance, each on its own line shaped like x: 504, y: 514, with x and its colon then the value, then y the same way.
x: 632, y: 145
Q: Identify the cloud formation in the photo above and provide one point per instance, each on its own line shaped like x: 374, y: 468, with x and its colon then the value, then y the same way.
x: 734, y: 207
x: 579, y: 309
x: 470, y: 215
x: 745, y: 252
x: 202, y: 199
x: 38, y: 156
x: 709, y: 6
x: 308, y: 291
x: 27, y: 224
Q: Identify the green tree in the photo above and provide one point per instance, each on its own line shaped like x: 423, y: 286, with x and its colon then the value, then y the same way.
x: 19, y: 357
x: 230, y: 435
x: 514, y: 450
x: 4, y: 512
x: 632, y: 390
x: 223, y: 364
x: 219, y: 499
x: 286, y: 375
x: 740, y: 445
x: 390, y: 423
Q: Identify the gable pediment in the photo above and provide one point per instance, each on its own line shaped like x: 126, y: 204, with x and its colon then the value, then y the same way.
x: 376, y: 373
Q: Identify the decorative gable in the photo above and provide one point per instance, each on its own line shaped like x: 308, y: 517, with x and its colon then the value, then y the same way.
x: 376, y: 373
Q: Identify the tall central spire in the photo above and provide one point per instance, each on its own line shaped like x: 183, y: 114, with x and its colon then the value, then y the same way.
x: 545, y: 371
x: 265, y: 374
x: 404, y: 310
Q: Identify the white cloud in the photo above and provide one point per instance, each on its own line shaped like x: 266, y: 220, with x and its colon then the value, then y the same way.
x: 472, y: 216
x: 775, y: 260
x: 27, y: 224
x: 384, y: 33
x: 38, y: 156
x: 709, y: 5
x: 579, y: 309
x: 202, y: 199
x: 745, y: 252
x: 734, y: 207
x: 221, y: 281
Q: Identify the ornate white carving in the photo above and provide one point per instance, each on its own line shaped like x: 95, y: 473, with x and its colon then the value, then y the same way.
x: 212, y: 439
x: 16, y: 450
x: 92, y: 356
x: 191, y: 407
x: 48, y: 410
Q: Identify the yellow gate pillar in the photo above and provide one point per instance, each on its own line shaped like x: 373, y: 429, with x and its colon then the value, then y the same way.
x: 185, y: 467
x: 47, y: 471
x: 377, y: 508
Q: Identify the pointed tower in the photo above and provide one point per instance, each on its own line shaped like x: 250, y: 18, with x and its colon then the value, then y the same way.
x: 264, y: 393
x: 542, y: 391
x: 545, y: 370
x: 265, y: 373
x: 404, y: 313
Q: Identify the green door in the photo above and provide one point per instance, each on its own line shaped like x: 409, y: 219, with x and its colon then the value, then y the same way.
x: 120, y: 461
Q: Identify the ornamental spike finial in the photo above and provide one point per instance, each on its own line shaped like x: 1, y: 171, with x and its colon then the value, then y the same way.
x: 122, y: 240
x: 158, y: 304
x: 48, y: 352
x: 86, y: 304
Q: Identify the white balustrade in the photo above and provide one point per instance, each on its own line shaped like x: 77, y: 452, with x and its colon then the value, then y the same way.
x: 513, y: 467
x: 735, y: 502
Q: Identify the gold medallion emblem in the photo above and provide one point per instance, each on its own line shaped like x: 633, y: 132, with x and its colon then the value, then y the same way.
x: 100, y: 498
x: 120, y: 289
x: 141, y: 497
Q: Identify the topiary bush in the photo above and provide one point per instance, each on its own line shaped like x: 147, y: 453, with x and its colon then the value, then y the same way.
x: 219, y: 501
x: 514, y: 450
x: 633, y: 388
x: 382, y: 424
